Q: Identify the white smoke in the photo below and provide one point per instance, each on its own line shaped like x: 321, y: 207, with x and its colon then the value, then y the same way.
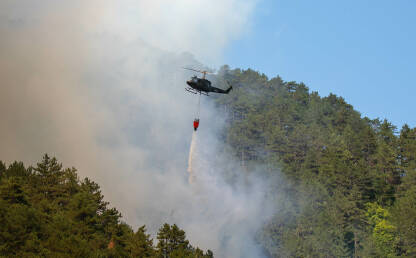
x: 99, y: 85
x: 233, y: 214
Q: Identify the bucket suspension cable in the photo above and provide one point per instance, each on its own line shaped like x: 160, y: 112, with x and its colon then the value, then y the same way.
x: 196, y: 121
x: 199, y: 106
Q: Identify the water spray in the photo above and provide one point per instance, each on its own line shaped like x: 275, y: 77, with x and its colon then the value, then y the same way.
x: 191, y: 178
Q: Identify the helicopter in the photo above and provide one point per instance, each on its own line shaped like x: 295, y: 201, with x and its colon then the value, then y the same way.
x: 202, y: 85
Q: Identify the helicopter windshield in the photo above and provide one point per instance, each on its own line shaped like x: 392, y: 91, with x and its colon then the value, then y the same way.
x: 194, y: 79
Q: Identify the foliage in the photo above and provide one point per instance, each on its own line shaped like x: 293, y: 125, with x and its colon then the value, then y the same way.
x: 384, y: 234
x: 46, y: 211
x: 342, y: 171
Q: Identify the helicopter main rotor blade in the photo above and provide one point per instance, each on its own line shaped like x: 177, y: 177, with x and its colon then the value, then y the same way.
x: 199, y: 71
x: 192, y: 69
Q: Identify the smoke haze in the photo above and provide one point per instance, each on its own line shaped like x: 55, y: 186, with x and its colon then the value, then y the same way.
x: 99, y: 85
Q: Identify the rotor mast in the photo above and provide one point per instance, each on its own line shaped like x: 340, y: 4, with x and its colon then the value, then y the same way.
x: 204, y: 72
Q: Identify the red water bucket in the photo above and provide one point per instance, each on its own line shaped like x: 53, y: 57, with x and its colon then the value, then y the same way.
x: 196, y: 124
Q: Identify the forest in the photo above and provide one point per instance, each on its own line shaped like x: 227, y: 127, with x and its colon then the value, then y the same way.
x: 47, y: 211
x: 346, y: 184
x: 350, y: 179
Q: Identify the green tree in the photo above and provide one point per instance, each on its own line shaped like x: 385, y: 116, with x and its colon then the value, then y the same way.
x: 404, y: 219
x: 384, y: 233
x: 141, y: 245
x: 171, y: 239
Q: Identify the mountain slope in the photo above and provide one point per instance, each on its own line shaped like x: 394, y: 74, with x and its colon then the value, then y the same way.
x: 345, y: 174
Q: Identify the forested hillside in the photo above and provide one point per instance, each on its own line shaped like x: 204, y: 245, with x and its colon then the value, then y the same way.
x: 349, y: 181
x: 344, y: 185
x: 46, y: 211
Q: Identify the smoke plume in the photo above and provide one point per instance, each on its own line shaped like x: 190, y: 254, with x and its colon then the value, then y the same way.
x: 99, y: 85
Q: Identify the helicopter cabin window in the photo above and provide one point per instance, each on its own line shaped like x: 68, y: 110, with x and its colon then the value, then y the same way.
x: 194, y: 79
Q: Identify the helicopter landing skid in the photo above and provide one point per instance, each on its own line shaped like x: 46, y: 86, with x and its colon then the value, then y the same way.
x: 196, y: 91
x: 191, y: 90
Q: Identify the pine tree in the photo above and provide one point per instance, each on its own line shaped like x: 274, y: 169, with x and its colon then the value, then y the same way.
x: 141, y: 245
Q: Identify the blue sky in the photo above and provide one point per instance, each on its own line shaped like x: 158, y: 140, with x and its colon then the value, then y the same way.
x: 364, y: 51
